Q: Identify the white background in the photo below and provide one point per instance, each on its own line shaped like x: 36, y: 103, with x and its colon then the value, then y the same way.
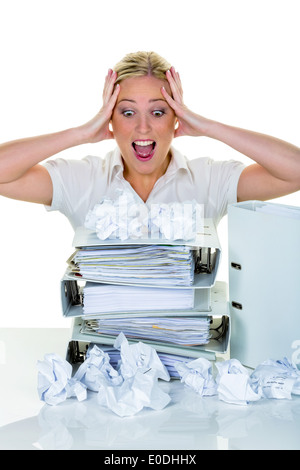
x: 239, y: 63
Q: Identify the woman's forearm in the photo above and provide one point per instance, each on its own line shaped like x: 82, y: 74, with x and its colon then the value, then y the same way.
x: 279, y: 158
x: 18, y: 156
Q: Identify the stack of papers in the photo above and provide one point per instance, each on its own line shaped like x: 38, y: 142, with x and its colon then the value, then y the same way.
x: 183, y: 331
x: 169, y: 360
x: 151, y: 291
x: 108, y: 298
x: 160, y: 265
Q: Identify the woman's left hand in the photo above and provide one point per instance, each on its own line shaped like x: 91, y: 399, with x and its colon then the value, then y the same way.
x: 189, y: 123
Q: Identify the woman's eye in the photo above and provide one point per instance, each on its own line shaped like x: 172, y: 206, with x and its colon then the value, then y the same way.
x: 158, y: 113
x: 128, y: 113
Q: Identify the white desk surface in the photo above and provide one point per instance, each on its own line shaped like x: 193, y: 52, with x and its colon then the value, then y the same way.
x: 188, y: 422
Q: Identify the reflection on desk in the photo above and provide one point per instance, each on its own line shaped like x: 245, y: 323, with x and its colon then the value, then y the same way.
x: 189, y: 422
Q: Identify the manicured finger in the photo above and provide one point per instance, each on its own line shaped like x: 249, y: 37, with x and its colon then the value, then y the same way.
x: 109, y: 85
x: 177, y: 79
x: 174, y: 87
x: 107, y: 78
x: 171, y: 102
x: 113, y: 99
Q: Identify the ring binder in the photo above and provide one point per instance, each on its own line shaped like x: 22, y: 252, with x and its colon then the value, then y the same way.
x: 265, y: 293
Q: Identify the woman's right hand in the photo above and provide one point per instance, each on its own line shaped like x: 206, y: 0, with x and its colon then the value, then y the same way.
x: 97, y: 129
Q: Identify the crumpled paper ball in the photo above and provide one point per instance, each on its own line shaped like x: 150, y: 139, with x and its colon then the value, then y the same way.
x: 234, y: 385
x: 276, y: 379
x: 120, y: 218
x: 55, y: 383
x: 197, y: 375
x: 140, y: 368
x: 95, y: 368
x: 126, y: 217
x: 139, y: 356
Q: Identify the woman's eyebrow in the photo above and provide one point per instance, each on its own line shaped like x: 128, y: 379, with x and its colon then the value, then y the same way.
x: 150, y: 101
x: 125, y: 99
x: 157, y: 99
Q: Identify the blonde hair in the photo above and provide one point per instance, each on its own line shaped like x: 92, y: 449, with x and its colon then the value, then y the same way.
x: 139, y: 64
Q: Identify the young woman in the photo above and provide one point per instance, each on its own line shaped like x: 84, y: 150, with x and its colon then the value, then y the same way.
x: 143, y: 110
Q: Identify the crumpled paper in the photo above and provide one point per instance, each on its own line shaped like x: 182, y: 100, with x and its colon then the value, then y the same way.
x: 126, y: 217
x: 176, y: 221
x: 125, y: 391
x: 134, y: 385
x: 122, y: 218
x: 197, y: 375
x: 136, y: 392
x: 95, y: 368
x: 140, y: 368
x: 138, y: 356
x: 55, y: 383
x: 276, y: 379
x: 234, y: 385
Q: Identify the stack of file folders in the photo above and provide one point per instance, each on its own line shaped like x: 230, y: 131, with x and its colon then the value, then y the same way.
x: 159, y: 292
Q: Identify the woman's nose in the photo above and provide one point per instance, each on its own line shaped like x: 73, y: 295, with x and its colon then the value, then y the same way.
x: 143, y: 124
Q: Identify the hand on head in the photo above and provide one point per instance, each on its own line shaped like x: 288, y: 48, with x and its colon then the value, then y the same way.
x: 97, y: 129
x: 189, y: 123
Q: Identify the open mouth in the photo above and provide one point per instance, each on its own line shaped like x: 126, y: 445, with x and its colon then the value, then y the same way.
x: 144, y: 149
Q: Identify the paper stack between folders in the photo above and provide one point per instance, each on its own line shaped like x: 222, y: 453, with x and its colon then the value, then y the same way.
x: 161, y: 292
